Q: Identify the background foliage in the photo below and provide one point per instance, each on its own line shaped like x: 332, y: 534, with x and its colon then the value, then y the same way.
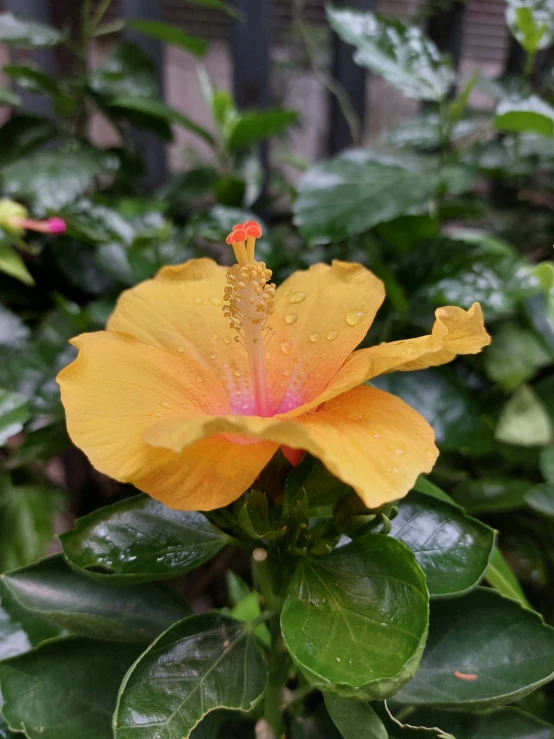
x: 453, y: 206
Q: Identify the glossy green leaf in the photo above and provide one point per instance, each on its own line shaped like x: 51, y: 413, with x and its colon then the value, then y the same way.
x: 26, y: 34
x: 524, y: 420
x: 219, y: 5
x: 531, y: 22
x: 410, y: 728
x: 546, y: 463
x: 204, y: 662
x: 500, y: 575
x: 26, y: 523
x: 23, y: 134
x: 14, y: 413
x: 356, y: 190
x: 254, y: 126
x: 486, y: 652
x: 159, y: 109
x: 139, y: 539
x: 355, y: 620
x: 486, y: 494
x: 522, y: 115
x: 451, y: 410
x: 423, y: 131
x: 355, y: 719
x: 7, y: 97
x: 514, y: 356
x: 14, y: 639
x: 12, y: 264
x: 322, y: 489
x: 127, y: 72
x: 425, y: 486
x: 53, y: 179
x: 132, y: 613
x: 65, y: 689
x: 452, y: 549
x: 500, y: 723
x: 170, y: 35
x: 396, y: 51
x: 541, y: 499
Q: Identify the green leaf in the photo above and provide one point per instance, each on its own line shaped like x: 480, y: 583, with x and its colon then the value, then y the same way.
x: 65, y: 689
x: 170, y: 35
x: 500, y: 723
x: 527, y: 114
x: 487, y: 494
x: 485, y: 652
x: 524, y: 420
x: 132, y: 613
x: 452, y: 411
x: 403, y: 730
x: 451, y: 548
x: 14, y: 413
x: 26, y: 523
x: 541, y: 499
x: 14, y: 639
x: 515, y: 355
x: 425, y: 486
x: 546, y: 463
x: 26, y: 34
x: 13, y: 331
x: 127, y: 72
x: 322, y: 489
x: 7, y: 97
x: 12, y: 264
x: 354, y: 191
x: 219, y: 5
x: 396, y: 51
x: 502, y: 578
x: 139, y: 539
x: 531, y: 22
x: 158, y: 109
x: 423, y: 131
x: 23, y: 134
x: 54, y: 179
x: 355, y: 621
x: 204, y: 662
x: 355, y: 719
x: 254, y: 126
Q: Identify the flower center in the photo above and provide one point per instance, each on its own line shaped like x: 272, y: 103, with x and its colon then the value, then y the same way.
x: 249, y: 302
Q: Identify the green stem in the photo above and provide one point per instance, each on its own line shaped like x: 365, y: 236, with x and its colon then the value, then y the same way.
x: 530, y: 64
x: 263, y: 578
x: 279, y: 666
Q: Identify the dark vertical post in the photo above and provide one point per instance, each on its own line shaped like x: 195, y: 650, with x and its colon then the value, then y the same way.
x: 37, y: 10
x: 251, y: 43
x: 446, y: 28
x: 353, y: 79
x: 151, y: 148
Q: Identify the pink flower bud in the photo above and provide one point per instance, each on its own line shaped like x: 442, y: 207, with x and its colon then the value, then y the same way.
x: 56, y: 226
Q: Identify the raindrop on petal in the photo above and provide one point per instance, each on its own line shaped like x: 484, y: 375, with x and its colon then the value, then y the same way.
x: 291, y: 318
x: 354, y: 318
x: 332, y: 335
x: 298, y: 297
x: 315, y: 337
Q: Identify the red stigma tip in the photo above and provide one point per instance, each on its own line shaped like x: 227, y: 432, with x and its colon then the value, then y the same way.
x: 253, y: 229
x: 235, y: 236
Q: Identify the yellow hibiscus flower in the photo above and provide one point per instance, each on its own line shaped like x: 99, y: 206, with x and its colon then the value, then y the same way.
x: 205, y: 371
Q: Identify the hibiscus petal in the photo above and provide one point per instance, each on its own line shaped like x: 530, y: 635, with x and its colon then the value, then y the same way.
x: 180, y: 310
x: 455, y: 331
x: 368, y: 438
x: 327, y: 311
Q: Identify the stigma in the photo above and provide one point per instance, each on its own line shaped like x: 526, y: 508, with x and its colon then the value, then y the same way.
x: 249, y: 302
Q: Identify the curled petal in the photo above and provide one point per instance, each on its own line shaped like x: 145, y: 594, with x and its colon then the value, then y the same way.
x: 455, y: 331
x: 368, y: 438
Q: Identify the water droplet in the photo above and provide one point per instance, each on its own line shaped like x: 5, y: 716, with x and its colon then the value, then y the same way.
x: 215, y: 336
x: 285, y: 347
x: 164, y: 404
x: 215, y: 301
x: 227, y: 340
x: 237, y: 373
x: 287, y: 373
x: 198, y: 301
x: 377, y: 436
x: 157, y: 415
x: 291, y: 318
x: 354, y: 318
x: 213, y: 355
x: 244, y: 406
x: 332, y: 335
x: 298, y: 297
x: 355, y: 416
x: 226, y: 364
x: 282, y: 383
x: 199, y: 379
x: 267, y: 355
x: 315, y: 337
x: 181, y: 349
x: 195, y: 402
x: 394, y: 469
x: 184, y: 405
